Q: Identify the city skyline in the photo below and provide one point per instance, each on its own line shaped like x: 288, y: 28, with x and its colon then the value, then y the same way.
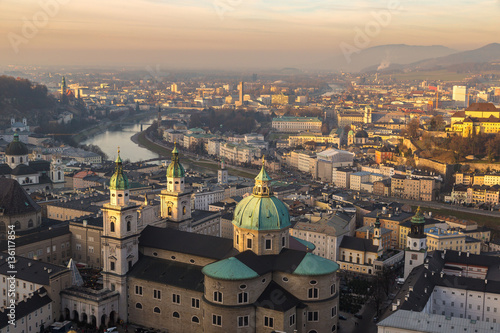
x: 230, y: 34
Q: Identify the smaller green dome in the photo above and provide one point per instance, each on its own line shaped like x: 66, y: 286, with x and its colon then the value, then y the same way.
x: 16, y: 147
x: 312, y: 264
x: 229, y: 269
x: 418, y: 218
x: 119, y: 180
x: 175, y: 169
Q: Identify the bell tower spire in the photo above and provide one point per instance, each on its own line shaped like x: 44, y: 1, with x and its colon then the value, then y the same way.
x: 416, y: 244
x: 120, y: 243
x: 175, y: 200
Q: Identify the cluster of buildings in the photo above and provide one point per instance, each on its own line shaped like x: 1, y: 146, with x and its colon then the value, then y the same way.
x: 476, y: 188
x: 162, y: 272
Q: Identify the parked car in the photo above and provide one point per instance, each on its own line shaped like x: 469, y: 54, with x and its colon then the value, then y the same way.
x: 111, y: 330
x: 341, y: 317
x: 357, y: 315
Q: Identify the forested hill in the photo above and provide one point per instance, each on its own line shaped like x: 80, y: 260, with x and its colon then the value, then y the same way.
x: 20, y: 98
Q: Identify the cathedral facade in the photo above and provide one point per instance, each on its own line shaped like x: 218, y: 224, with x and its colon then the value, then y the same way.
x: 178, y: 281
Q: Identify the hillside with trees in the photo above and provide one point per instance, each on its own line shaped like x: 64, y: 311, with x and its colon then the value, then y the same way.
x: 21, y: 98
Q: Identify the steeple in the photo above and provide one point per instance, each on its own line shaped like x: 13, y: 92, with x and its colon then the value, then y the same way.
x: 416, y: 243
x: 222, y: 173
x: 262, y: 181
x: 175, y: 173
x: 63, y: 90
x: 417, y: 225
x: 118, y: 184
x: 175, y: 200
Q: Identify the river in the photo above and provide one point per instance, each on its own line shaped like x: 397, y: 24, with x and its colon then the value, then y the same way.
x: 335, y: 90
x: 109, y: 142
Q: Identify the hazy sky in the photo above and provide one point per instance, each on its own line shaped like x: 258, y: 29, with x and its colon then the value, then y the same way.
x: 233, y: 33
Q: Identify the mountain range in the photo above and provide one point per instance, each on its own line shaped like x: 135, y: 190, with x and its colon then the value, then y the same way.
x: 412, y: 57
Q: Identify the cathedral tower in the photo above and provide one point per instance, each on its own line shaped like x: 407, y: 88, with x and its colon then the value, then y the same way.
x: 120, y: 237
x: 175, y: 200
x: 416, y: 244
x: 222, y: 173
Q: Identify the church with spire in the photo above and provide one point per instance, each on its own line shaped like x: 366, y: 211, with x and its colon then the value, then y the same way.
x: 416, y: 244
x: 176, y: 280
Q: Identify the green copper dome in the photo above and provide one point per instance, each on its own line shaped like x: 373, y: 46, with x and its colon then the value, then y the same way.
x: 312, y: 264
x: 261, y: 210
x: 261, y: 213
x: 418, y: 218
x: 175, y: 169
x: 119, y: 180
x: 16, y: 147
x: 229, y: 269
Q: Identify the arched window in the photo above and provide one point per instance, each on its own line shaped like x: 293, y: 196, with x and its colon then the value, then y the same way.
x: 334, y: 328
x: 128, y: 226
x: 217, y: 296
x: 30, y: 223
x: 242, y: 297
x: 313, y: 293
x: 184, y: 210
x: 12, y: 159
x: 58, y: 175
x: 138, y: 305
x: 112, y: 226
x: 195, y: 320
x: 169, y: 210
x: 156, y: 310
x: 176, y: 314
x: 17, y: 225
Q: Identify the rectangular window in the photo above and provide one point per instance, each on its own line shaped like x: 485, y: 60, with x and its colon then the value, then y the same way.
x: 216, y: 320
x: 334, y: 311
x: 243, y: 297
x: 156, y: 294
x: 243, y: 321
x: 217, y: 296
x: 268, y: 322
x: 138, y: 290
x: 249, y: 243
x: 195, y: 303
x: 112, y: 265
x: 313, y: 293
x: 176, y: 298
x: 312, y: 316
x: 268, y: 244
x: 292, y: 319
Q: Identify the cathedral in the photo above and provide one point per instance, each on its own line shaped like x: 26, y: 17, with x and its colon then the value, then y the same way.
x: 180, y: 281
x: 33, y: 176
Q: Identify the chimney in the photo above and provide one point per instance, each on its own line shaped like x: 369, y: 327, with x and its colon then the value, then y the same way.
x: 468, y: 254
x: 29, y: 264
x: 368, y: 234
x: 442, y: 274
x: 485, y: 281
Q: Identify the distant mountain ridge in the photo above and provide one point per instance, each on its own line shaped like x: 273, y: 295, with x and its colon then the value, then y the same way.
x: 383, y: 56
x: 486, y: 54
